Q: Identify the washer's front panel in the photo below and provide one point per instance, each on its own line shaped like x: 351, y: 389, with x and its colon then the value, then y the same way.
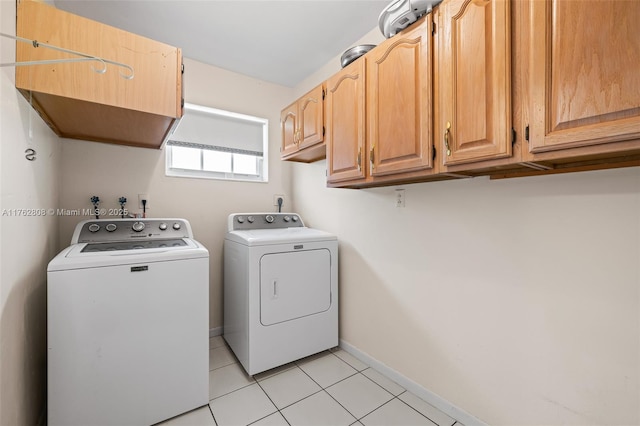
x: 127, y: 344
x: 294, y: 285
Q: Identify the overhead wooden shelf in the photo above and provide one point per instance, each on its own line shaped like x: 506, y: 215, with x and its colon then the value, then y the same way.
x: 78, y: 103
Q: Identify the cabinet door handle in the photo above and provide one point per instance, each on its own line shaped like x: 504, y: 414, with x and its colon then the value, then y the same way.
x: 359, y: 159
x: 372, y: 157
x: 446, y: 138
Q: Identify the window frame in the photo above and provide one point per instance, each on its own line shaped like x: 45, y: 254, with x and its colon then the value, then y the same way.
x: 262, y: 162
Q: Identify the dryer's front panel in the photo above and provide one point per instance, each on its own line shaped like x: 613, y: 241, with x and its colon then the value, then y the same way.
x: 294, y: 284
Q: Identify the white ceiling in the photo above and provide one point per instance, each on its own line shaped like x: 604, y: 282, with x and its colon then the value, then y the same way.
x: 281, y: 41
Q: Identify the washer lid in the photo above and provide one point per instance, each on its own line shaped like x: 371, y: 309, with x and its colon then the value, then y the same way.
x: 260, y: 237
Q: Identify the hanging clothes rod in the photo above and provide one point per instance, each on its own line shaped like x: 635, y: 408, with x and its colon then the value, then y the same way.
x: 83, y: 57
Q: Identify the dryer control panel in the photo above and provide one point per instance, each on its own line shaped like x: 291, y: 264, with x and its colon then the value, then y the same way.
x: 244, y: 221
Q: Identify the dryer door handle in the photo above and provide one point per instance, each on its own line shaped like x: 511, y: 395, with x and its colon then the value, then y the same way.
x: 275, y: 289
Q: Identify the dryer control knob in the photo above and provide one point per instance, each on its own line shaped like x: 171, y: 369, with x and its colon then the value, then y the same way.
x: 250, y: 219
x: 163, y: 226
x: 111, y: 227
x: 294, y: 218
x: 94, y: 227
x: 137, y: 226
x: 269, y: 218
x: 240, y: 219
x: 286, y: 218
x: 176, y: 226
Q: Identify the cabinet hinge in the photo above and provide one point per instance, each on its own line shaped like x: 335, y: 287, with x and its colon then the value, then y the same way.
x: 526, y: 133
x: 182, y: 103
x: 513, y: 136
x: 433, y: 28
x: 433, y: 155
x: 323, y: 131
x: 182, y: 68
x: 323, y: 94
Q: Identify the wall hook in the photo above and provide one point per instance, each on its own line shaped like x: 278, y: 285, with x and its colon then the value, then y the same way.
x: 30, y: 154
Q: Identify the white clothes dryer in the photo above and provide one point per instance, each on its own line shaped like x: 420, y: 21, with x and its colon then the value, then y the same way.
x: 127, y: 324
x: 280, y: 289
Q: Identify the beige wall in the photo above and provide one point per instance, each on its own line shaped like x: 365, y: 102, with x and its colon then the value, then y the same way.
x: 111, y: 171
x: 27, y: 243
x: 517, y: 300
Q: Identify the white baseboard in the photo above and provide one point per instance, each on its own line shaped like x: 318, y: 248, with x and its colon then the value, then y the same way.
x: 217, y: 331
x: 413, y: 387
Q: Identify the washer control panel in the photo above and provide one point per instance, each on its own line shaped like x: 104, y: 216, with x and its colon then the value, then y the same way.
x: 109, y: 230
x: 244, y: 221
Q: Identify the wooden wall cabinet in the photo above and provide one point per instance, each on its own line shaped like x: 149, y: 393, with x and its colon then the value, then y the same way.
x: 379, y: 113
x: 77, y: 102
x: 521, y: 87
x: 559, y: 73
x: 474, y: 81
x: 584, y: 78
x: 399, y: 104
x: 345, y: 122
x: 302, y: 128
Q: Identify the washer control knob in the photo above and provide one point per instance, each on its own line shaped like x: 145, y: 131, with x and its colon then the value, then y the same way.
x: 176, y: 226
x: 94, y: 227
x: 111, y: 227
x: 294, y: 218
x: 269, y: 218
x: 240, y: 219
x: 250, y: 219
x: 163, y: 226
x: 286, y: 218
x: 138, y: 226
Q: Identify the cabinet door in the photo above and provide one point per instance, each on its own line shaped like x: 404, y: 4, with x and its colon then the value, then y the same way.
x: 475, y: 80
x: 288, y: 127
x: 311, y: 110
x: 345, y: 115
x: 584, y: 77
x: 399, y: 102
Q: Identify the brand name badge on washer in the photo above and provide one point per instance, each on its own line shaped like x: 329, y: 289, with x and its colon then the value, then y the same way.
x: 139, y: 268
x: 298, y: 247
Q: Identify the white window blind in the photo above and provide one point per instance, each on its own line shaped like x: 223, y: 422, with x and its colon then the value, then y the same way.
x: 210, y: 128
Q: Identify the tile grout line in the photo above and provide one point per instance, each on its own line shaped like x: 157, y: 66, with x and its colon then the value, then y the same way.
x: 367, y: 377
x: 356, y: 417
x: 339, y: 381
x: 296, y: 364
x: 414, y: 409
x: 387, y: 390
x: 338, y: 402
x: 322, y: 388
x: 274, y: 404
x: 377, y: 408
x: 230, y: 392
x: 212, y: 415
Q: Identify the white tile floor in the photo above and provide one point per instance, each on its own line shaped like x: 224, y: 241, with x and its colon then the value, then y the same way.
x: 332, y: 388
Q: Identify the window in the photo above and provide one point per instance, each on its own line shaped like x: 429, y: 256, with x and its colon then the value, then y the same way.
x: 216, y: 144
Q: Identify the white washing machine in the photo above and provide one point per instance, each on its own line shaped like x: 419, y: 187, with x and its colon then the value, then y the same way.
x: 127, y: 324
x: 280, y: 289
